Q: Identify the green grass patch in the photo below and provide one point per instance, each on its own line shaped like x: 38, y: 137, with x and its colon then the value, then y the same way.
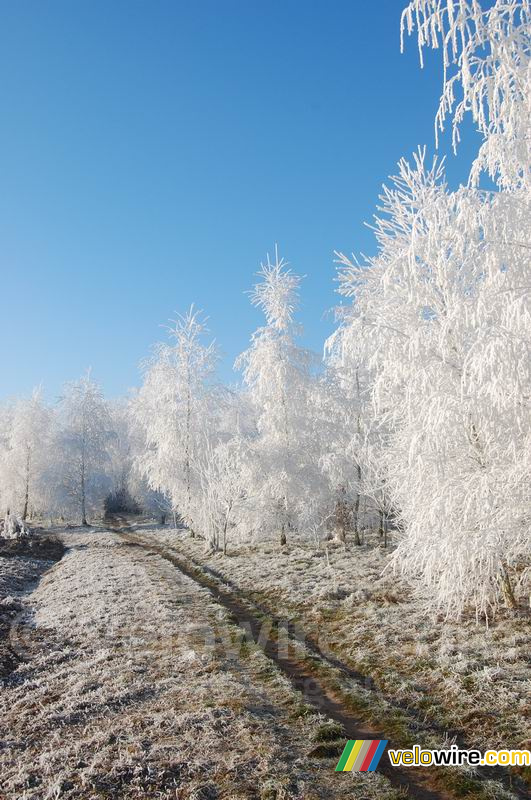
x: 329, y: 732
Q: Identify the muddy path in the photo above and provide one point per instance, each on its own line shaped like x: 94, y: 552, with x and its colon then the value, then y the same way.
x: 422, y: 784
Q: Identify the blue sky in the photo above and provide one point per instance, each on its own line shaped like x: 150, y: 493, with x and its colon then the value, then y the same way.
x: 152, y: 152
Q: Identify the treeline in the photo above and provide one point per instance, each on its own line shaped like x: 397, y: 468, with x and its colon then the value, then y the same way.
x: 418, y: 416
x: 62, y: 462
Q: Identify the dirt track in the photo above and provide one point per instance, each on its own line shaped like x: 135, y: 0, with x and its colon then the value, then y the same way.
x: 139, y: 676
x: 302, y: 678
x: 290, y: 654
x: 134, y: 683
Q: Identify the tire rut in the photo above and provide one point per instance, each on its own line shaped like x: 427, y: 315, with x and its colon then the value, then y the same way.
x: 420, y: 783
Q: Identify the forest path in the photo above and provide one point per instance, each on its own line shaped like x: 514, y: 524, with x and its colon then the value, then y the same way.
x: 133, y: 682
x: 289, y: 654
x: 140, y: 677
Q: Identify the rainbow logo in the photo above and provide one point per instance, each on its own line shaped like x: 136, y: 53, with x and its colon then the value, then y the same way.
x: 361, y: 755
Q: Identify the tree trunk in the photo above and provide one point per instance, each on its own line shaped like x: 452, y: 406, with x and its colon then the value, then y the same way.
x: 382, y: 532
x: 188, y: 447
x: 285, y: 524
x: 357, y: 539
x: 356, y: 515
x: 507, y: 589
x: 83, y: 499
x: 26, y: 493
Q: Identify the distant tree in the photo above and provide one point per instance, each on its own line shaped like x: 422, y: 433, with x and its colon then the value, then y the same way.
x: 278, y: 377
x: 84, y: 437
x: 174, y: 410
x: 357, y: 433
x: 23, y: 454
x: 224, y: 481
x: 344, y: 399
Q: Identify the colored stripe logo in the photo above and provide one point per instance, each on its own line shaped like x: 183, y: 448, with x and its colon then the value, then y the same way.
x: 361, y: 755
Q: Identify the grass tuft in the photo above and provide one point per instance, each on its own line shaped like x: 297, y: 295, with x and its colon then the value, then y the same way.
x: 329, y: 732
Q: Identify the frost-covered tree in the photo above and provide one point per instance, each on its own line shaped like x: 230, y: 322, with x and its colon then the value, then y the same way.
x: 485, y: 49
x: 445, y: 318
x: 375, y: 487
x: 24, y: 454
x: 80, y: 473
x: 224, y: 481
x: 120, y: 447
x: 121, y: 450
x: 344, y: 399
x: 5, y: 431
x: 449, y: 327
x: 174, y: 410
x: 278, y: 379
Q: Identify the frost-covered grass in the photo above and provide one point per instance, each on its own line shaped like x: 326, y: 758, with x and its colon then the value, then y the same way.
x: 22, y: 561
x: 129, y: 688
x: 464, y: 678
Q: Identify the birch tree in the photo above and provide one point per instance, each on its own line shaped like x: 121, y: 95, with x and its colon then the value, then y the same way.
x: 485, y: 52
x: 83, y: 449
x: 25, y: 451
x: 444, y: 312
x: 277, y: 374
x: 343, y: 428
x: 224, y: 481
x: 174, y: 409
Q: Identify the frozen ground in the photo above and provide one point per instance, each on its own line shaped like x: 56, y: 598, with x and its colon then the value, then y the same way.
x: 133, y: 684
x: 22, y: 561
x: 466, y: 679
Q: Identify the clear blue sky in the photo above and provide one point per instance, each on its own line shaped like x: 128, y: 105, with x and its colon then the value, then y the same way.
x: 152, y: 152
